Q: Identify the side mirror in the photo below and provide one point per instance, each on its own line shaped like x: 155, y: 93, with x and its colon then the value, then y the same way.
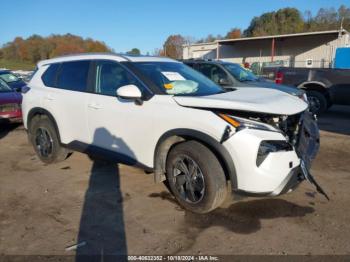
x: 224, y: 82
x: 18, y: 89
x: 129, y: 92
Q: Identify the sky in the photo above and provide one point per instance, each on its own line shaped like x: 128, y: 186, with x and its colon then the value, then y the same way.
x: 144, y: 24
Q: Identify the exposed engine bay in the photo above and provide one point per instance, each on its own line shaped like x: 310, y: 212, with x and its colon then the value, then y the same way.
x: 301, y: 132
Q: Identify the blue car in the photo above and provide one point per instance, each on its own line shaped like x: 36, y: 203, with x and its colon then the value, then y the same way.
x: 13, y: 81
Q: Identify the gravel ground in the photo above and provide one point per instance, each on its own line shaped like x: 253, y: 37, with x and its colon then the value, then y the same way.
x: 115, y: 209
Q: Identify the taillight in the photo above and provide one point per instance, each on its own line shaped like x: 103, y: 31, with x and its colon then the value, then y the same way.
x: 279, y: 78
x: 25, y: 89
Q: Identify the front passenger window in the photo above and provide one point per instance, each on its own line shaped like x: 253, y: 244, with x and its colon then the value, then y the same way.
x: 110, y: 76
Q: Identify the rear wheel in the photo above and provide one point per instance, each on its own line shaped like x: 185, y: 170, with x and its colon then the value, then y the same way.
x: 45, y: 141
x: 318, y: 102
x: 196, y: 177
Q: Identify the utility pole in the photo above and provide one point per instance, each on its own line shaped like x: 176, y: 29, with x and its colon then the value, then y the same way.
x: 272, y: 49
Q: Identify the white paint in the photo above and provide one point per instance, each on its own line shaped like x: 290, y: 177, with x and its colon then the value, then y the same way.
x: 263, y: 100
x: 129, y: 91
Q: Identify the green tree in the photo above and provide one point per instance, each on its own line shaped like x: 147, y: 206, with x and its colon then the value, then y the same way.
x: 134, y: 51
x: 344, y: 16
x: 284, y: 21
x: 328, y: 19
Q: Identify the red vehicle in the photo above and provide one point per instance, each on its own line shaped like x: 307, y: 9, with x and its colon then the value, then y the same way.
x: 10, y: 103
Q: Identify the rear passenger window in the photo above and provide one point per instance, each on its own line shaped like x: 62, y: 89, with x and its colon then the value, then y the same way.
x: 74, y: 76
x: 49, y: 77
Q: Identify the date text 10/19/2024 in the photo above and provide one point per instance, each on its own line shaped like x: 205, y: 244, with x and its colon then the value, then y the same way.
x: 173, y: 258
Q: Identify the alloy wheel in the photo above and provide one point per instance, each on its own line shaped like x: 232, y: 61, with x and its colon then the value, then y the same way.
x: 43, y: 142
x: 315, y: 104
x: 188, y: 179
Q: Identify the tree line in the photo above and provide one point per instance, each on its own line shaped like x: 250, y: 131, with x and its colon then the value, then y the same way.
x: 36, y: 47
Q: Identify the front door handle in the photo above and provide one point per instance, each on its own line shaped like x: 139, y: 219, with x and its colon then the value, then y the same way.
x: 95, y: 106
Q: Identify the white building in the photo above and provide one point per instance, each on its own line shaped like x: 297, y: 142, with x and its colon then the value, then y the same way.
x: 313, y: 49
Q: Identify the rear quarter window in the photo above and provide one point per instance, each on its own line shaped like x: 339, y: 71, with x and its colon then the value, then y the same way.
x: 49, y: 77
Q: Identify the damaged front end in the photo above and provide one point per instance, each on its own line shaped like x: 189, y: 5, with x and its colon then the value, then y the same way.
x: 301, y: 133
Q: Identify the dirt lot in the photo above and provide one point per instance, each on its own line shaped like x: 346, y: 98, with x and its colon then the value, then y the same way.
x: 118, y: 209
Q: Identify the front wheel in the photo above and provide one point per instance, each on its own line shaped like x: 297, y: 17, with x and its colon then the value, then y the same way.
x: 196, y: 177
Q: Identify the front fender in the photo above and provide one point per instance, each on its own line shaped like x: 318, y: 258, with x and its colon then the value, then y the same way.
x: 172, y: 137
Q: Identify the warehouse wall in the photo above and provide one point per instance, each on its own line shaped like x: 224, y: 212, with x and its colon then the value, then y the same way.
x: 207, y: 51
x: 319, y: 50
x: 295, y: 51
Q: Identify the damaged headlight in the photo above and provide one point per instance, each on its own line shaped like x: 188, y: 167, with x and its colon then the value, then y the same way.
x: 269, y: 146
x: 241, y: 123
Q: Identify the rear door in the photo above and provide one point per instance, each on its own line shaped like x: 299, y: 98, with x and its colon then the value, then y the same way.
x: 66, y: 96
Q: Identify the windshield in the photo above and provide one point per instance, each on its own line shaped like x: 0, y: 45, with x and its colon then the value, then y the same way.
x: 178, y: 79
x: 9, y: 77
x: 240, y: 73
x: 4, y: 87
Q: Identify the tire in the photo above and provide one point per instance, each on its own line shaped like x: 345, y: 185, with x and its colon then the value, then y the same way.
x: 45, y: 140
x: 318, y: 102
x: 208, y: 182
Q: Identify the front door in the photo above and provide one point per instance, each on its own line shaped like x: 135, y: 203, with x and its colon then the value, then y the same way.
x: 118, y: 125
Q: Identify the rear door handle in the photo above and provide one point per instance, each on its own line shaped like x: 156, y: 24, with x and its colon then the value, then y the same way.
x: 95, y: 106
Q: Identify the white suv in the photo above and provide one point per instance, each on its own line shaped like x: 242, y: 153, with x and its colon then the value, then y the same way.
x: 163, y: 116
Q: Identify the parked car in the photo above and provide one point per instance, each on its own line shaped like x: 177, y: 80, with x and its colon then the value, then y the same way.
x: 165, y: 117
x: 10, y: 103
x: 23, y: 75
x: 234, y: 76
x: 12, y: 80
x: 324, y: 86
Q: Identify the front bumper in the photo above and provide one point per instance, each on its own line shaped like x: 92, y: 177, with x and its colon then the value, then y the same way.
x: 280, y: 172
x: 290, y: 183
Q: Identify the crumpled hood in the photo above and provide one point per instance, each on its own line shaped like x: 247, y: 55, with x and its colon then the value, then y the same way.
x: 260, y: 100
x: 267, y: 84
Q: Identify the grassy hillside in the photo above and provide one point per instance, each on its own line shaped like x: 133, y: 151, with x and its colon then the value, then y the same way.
x: 16, y: 65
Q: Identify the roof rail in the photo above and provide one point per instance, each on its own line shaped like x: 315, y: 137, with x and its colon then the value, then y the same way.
x: 93, y: 53
x: 198, y: 59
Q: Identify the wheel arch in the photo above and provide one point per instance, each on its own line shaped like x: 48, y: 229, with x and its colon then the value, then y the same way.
x: 38, y: 111
x: 175, y: 136
x: 316, y: 86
